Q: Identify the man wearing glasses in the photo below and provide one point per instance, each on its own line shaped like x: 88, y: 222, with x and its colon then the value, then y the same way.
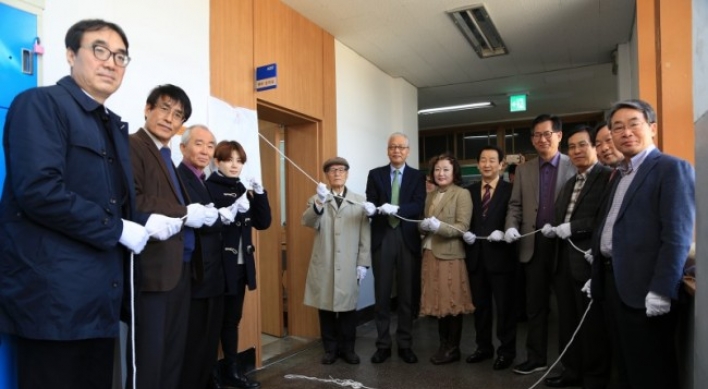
x: 532, y: 205
x: 641, y: 245
x: 165, y: 269
x: 68, y: 218
x: 395, y: 189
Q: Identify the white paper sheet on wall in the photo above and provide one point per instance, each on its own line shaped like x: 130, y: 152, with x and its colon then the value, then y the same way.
x: 233, y: 123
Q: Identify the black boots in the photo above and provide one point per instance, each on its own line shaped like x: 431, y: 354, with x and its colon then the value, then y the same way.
x: 450, y: 331
x: 227, y: 375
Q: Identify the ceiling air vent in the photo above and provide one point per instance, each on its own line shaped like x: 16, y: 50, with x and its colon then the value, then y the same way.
x: 478, y: 28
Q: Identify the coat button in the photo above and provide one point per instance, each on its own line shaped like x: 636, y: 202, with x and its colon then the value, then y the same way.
x: 238, y: 224
x: 115, y: 284
x: 112, y: 201
x: 105, y: 221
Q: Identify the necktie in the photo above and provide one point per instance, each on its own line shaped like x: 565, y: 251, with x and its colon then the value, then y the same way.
x: 395, y: 189
x: 486, y: 199
x: 167, y: 158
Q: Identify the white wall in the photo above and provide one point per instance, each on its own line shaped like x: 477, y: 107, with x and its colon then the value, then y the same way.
x: 169, y: 43
x: 370, y: 106
x: 627, y: 68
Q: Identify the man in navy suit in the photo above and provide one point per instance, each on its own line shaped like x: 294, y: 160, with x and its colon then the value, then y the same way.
x: 206, y: 307
x: 395, y: 189
x: 492, y: 265
x: 641, y: 245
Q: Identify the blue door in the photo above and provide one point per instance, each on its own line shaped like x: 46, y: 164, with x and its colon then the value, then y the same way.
x: 18, y: 72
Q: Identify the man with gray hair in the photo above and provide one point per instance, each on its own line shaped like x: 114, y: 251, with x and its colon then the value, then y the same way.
x: 395, y: 189
x: 640, y: 248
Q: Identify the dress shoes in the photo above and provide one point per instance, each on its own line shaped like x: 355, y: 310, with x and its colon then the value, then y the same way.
x: 446, y: 355
x: 502, y: 362
x: 381, y: 355
x: 349, y: 357
x: 329, y: 358
x: 479, y: 356
x: 529, y: 367
x: 407, y: 355
x: 562, y: 381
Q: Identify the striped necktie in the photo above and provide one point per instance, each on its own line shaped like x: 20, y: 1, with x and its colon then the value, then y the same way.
x: 395, y: 189
x: 486, y: 199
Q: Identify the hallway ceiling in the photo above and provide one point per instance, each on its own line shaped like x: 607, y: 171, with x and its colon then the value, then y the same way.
x: 560, y: 52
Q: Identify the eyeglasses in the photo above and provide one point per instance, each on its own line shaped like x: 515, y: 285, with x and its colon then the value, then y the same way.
x: 397, y: 147
x: 166, y: 110
x: 104, y: 54
x: 539, y: 135
x: 634, y: 125
x: 579, y: 146
x: 336, y: 170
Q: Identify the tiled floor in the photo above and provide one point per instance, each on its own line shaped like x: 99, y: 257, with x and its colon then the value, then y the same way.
x: 394, y: 373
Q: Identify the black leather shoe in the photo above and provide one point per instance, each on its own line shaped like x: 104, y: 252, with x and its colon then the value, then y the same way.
x: 381, y: 355
x: 562, y: 381
x: 349, y: 357
x: 529, y: 367
x: 329, y: 358
x: 479, y: 356
x: 407, y: 355
x: 502, y: 362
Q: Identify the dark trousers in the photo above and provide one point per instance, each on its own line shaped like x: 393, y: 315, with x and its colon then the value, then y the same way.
x: 206, y: 317
x: 233, y: 311
x: 646, y: 345
x: 73, y: 364
x: 392, y: 263
x: 338, y: 330
x: 538, y: 277
x: 499, y: 288
x: 161, y: 334
x: 589, y: 356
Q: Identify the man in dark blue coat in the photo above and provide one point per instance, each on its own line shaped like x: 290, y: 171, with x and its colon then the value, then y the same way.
x: 68, y: 219
x: 396, y: 189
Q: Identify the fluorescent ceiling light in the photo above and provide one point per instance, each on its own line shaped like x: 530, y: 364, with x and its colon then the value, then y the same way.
x: 488, y: 136
x: 452, y: 108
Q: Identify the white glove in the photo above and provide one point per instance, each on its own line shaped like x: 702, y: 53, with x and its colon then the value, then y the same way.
x: 162, y: 227
x: 196, y: 215
x: 496, y: 236
x: 322, y: 192
x: 388, y: 209
x: 586, y: 289
x: 511, y: 235
x: 563, y: 230
x: 430, y: 224
x: 369, y: 208
x: 227, y: 217
x: 361, y: 273
x: 242, y: 204
x: 255, y: 185
x: 469, y: 237
x: 134, y: 236
x: 548, y: 231
x: 210, y: 215
x: 589, y: 258
x: 656, y: 304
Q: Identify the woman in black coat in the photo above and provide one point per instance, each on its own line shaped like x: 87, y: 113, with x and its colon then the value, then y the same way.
x: 250, y: 209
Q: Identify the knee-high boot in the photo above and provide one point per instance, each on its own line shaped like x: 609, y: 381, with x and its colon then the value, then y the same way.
x: 450, y: 351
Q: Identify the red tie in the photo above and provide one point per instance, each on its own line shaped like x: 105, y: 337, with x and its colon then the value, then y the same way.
x: 486, y: 199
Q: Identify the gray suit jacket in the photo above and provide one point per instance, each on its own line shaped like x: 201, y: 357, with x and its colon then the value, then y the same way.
x: 523, y: 205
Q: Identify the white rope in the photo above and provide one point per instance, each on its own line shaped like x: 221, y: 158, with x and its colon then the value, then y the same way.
x: 132, y: 318
x: 340, y: 382
x: 567, y: 346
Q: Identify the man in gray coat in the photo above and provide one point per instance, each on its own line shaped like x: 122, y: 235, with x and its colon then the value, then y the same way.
x: 532, y: 204
x: 341, y: 255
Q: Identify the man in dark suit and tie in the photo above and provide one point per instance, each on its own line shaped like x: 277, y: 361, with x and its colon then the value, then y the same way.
x: 532, y: 204
x: 641, y: 246
x: 165, y: 271
x: 587, y: 361
x: 395, y: 189
x: 492, y: 265
x: 206, y: 307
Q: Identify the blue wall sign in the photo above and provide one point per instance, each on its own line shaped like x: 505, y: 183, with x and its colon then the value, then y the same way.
x: 266, y: 77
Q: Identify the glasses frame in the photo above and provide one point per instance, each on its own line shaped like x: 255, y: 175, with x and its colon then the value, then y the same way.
x: 115, y: 54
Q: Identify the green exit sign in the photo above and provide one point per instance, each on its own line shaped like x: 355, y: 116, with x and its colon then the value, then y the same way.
x: 517, y: 103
